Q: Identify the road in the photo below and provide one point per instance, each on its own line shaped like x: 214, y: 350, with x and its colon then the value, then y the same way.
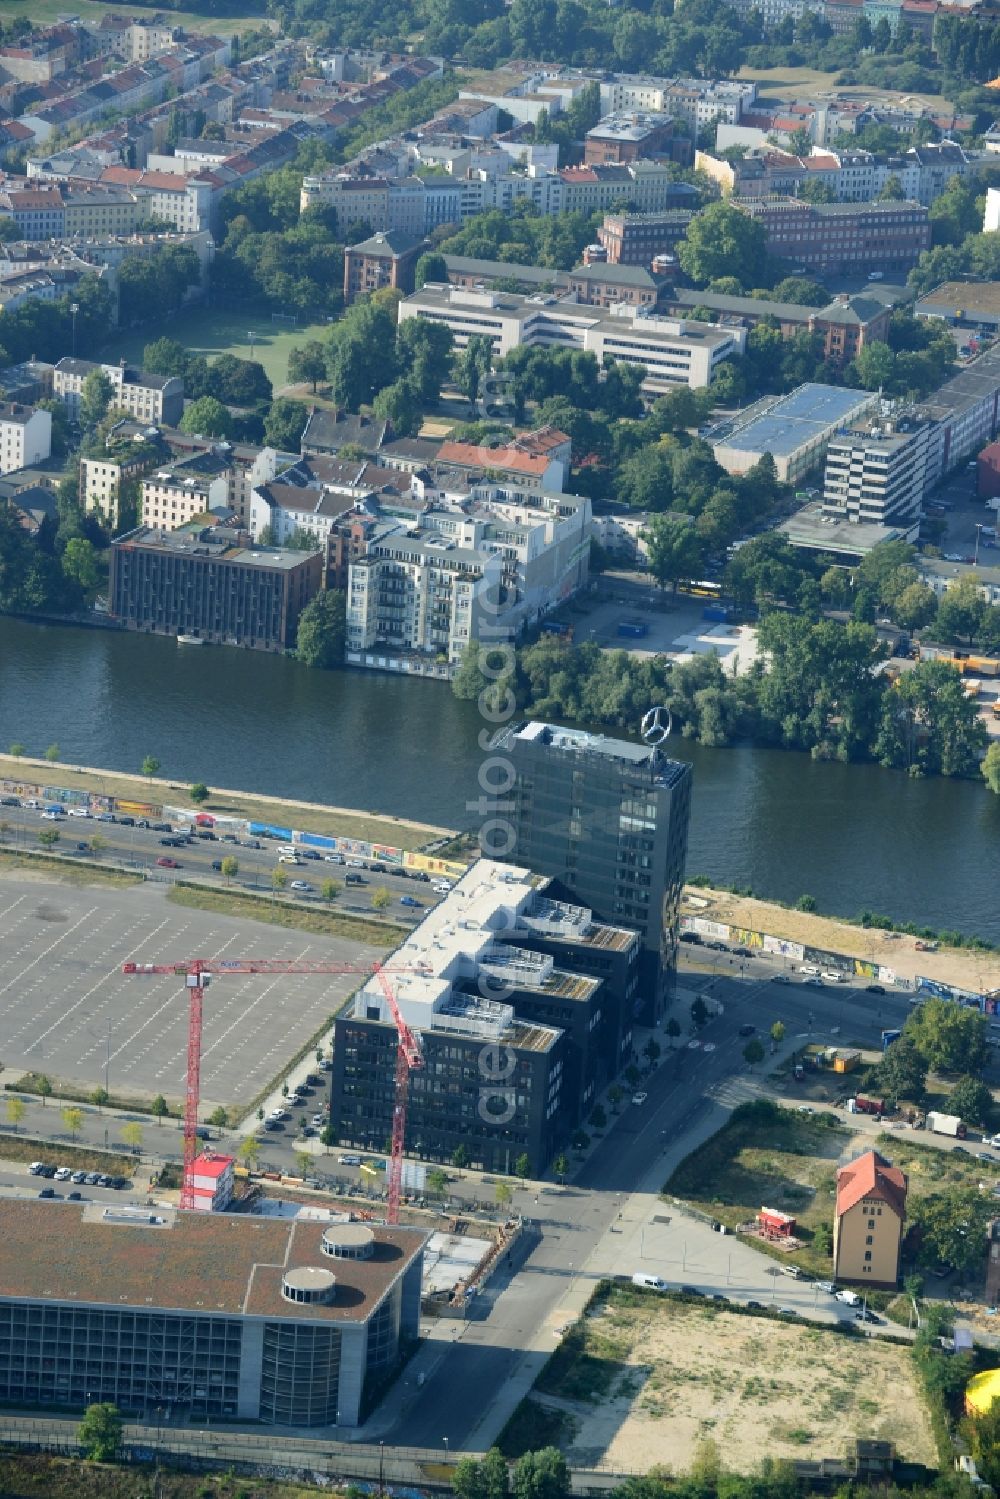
x: 141, y: 849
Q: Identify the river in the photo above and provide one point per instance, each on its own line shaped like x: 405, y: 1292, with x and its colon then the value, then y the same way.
x: 854, y: 837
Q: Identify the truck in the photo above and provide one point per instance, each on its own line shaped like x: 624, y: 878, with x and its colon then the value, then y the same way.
x: 634, y: 629
x: 946, y: 1124
x: 863, y: 1104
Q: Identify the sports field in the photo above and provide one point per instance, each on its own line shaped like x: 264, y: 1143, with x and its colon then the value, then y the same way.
x: 212, y: 331
x: 45, y: 12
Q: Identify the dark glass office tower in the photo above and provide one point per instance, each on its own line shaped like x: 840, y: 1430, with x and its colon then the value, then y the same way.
x: 608, y: 819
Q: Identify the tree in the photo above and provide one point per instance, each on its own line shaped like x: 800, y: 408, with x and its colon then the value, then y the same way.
x: 778, y: 1032
x: 502, y: 1193
x: 100, y: 1097
x: 329, y: 890
x: 303, y: 1162
x: 16, y: 750
x: 960, y: 613
x: 158, y: 1108
x: 14, y: 1109
x: 753, y: 1052
x: 460, y: 1157
x: 381, y: 898
x: 53, y: 753
x: 615, y: 1096
x: 675, y: 550
x: 307, y: 364
x: 249, y: 1151
x: 437, y: 1181
x: 100, y: 1433
x: 73, y: 1120
x: 43, y: 1087
x: 951, y: 1228
x: 481, y: 1478
x: 892, y: 190
x: 219, y: 1117
x: 673, y: 1030
x: 598, y: 1118
x: 150, y: 766
x: 279, y: 878
x: 207, y: 417
x: 399, y: 405
x: 949, y: 1037
x: 723, y: 241
x: 80, y: 564
x: 971, y: 1100
x: 49, y: 837
x: 991, y: 768
x: 901, y: 1074
x: 95, y: 398
x: 561, y: 1166
x: 522, y: 1167
x: 541, y: 1475
x: 199, y: 793
x: 322, y: 631
x: 651, y: 1051
x: 699, y: 1013
x: 230, y: 868
x: 285, y: 423
x: 475, y: 361
x: 874, y: 365
x: 929, y: 725
x: 431, y: 267
x: 132, y: 1135
x: 915, y: 607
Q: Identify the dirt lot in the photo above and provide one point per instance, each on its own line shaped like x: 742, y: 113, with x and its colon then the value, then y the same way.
x: 650, y: 1379
x: 810, y: 83
x: 962, y: 966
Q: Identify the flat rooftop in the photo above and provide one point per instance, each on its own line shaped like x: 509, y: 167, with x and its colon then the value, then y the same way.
x: 812, y: 528
x: 961, y: 298
x: 581, y: 742
x: 163, y: 1259
x: 977, y: 382
x: 793, y: 421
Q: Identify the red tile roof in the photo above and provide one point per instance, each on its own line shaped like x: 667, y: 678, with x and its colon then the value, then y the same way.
x: 470, y: 454
x: 871, y: 1176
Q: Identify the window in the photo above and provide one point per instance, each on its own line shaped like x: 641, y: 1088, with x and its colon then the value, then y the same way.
x: 868, y: 1255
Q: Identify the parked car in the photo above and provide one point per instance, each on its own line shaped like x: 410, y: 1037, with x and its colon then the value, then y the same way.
x: 874, y: 989
x: 303, y: 886
x: 46, y: 1192
x: 78, y: 812
x: 79, y: 1177
x: 319, y: 1120
x: 408, y: 900
x: 747, y: 1030
x: 333, y: 858
x: 10, y: 801
x: 639, y: 1098
x: 63, y: 1173
x: 349, y: 1160
x: 165, y: 863
x: 781, y: 978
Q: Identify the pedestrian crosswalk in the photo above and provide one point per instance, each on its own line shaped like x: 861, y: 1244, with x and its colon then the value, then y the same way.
x: 732, y: 1091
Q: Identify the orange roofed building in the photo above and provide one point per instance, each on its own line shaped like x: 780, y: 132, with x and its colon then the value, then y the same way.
x: 868, y: 1224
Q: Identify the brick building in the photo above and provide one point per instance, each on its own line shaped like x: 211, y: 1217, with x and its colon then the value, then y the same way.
x: 636, y: 238
x: 388, y: 258
x: 843, y: 238
x: 622, y: 138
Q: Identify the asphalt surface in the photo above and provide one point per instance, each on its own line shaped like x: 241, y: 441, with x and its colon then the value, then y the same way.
x: 142, y: 849
x: 67, y: 1010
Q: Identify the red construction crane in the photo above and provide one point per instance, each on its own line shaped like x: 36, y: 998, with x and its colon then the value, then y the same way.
x: 196, y: 974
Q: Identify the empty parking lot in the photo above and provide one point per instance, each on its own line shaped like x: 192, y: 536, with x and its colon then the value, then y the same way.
x: 66, y: 1008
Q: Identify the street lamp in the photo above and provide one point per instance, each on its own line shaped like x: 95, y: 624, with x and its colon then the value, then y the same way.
x: 979, y: 529
x: 381, y: 1468
x: 445, y: 1441
x: 74, y: 308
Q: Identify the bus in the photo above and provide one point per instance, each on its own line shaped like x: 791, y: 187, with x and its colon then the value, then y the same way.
x: 703, y: 590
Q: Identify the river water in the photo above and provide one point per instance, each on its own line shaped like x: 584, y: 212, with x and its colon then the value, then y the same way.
x: 854, y: 837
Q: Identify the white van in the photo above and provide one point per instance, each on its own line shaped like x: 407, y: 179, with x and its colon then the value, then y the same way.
x: 849, y: 1298
x: 649, y: 1282
x: 810, y: 969
x: 831, y: 977
x: 287, y: 848
x: 289, y: 859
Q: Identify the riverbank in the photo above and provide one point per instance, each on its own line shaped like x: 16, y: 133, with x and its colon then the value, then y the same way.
x: 963, y: 967
x: 341, y: 822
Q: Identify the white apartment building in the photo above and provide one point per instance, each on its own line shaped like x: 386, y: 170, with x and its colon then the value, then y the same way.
x: 153, y: 399
x: 672, y: 351
x: 25, y: 436
x: 173, y: 496
x: 698, y: 101
x: 876, y: 472
x: 504, y: 555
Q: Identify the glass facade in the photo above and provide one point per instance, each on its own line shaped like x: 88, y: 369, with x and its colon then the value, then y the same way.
x: 300, y: 1374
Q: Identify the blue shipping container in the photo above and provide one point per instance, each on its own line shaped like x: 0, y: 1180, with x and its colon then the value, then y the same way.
x: 633, y: 628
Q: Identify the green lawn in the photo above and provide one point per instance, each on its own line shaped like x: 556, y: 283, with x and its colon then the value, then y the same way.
x: 212, y: 331
x: 45, y: 12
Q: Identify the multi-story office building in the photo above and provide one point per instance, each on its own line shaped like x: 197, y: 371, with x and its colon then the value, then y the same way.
x: 671, y: 351
x: 847, y: 323
x: 386, y: 259
x: 522, y: 1004
x: 794, y: 429
x: 212, y: 584
x: 966, y: 410
x: 637, y: 238
x: 876, y: 471
x: 843, y: 238
x: 621, y: 138
x: 148, y: 398
x: 25, y: 436
x: 222, y: 1316
x: 608, y: 820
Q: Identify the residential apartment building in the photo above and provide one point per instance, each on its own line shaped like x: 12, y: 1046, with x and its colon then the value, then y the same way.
x: 172, y: 497
x: 102, y: 479
x: 480, y: 971
x: 386, y: 259
x: 422, y: 591
x: 876, y: 472
x: 212, y: 583
x: 868, y: 1222
x: 841, y: 238
x: 621, y: 138
x: 150, y: 399
x: 25, y: 436
x: 608, y: 820
x: 224, y: 1316
x: 671, y: 351
x: 697, y: 101
x: 941, y: 575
